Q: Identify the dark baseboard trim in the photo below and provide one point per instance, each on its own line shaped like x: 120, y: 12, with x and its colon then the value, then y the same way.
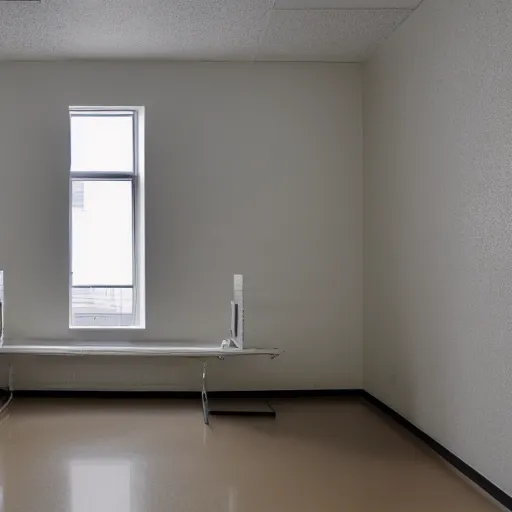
x: 473, y: 475
x: 227, y: 395
x: 104, y: 395
x: 286, y: 394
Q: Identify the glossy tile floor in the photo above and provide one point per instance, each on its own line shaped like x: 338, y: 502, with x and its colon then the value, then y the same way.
x: 156, y: 456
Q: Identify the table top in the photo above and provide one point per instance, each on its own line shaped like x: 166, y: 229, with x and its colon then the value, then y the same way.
x: 141, y: 348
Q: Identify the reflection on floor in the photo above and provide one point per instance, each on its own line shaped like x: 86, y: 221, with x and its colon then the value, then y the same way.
x: 157, y: 456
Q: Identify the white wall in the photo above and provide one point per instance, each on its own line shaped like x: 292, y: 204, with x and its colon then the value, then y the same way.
x: 268, y: 153
x: 438, y: 228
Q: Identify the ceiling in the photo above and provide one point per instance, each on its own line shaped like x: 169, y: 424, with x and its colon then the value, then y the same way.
x: 246, y: 30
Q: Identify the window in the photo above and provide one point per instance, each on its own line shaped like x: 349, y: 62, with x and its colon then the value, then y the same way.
x: 107, y: 225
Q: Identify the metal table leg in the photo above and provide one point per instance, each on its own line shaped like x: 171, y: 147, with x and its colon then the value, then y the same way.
x: 10, y: 391
x: 204, y: 397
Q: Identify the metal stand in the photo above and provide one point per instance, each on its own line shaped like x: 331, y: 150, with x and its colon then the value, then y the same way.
x: 230, y: 407
x: 204, y: 397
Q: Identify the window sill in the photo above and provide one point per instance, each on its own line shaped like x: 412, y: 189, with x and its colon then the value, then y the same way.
x: 107, y: 328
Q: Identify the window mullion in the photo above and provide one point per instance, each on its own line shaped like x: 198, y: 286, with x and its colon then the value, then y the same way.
x: 101, y: 176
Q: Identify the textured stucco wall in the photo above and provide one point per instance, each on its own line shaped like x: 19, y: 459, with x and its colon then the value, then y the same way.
x: 438, y: 228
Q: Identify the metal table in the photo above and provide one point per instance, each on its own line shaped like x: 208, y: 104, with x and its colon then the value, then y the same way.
x: 131, y: 349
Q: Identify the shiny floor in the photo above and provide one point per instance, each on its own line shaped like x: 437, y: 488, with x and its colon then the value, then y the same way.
x: 157, y: 456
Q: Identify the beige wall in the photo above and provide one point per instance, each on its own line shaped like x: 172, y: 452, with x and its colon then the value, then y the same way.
x: 251, y: 168
x: 438, y: 228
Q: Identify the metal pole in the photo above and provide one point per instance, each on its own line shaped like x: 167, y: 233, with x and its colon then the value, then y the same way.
x: 204, y: 396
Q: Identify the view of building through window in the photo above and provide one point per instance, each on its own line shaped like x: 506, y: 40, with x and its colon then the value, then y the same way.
x: 103, y: 212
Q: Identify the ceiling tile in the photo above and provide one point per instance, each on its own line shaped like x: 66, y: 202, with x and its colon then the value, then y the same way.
x: 171, y: 29
x: 326, y: 35
x: 347, y: 4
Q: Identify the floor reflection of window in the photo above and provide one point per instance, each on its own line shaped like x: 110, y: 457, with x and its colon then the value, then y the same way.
x: 100, y: 485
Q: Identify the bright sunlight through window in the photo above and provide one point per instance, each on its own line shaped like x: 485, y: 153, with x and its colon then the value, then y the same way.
x: 106, y: 289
